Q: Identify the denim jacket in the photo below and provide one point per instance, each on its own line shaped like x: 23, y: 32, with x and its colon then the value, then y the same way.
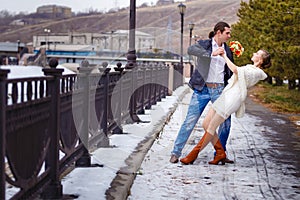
x: 203, y: 50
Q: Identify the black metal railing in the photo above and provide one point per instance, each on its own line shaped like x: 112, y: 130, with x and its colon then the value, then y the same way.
x: 50, y: 123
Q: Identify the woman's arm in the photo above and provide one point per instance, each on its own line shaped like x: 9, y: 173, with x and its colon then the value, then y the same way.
x: 230, y: 64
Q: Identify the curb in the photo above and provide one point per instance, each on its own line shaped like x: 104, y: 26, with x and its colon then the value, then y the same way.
x: 121, y: 184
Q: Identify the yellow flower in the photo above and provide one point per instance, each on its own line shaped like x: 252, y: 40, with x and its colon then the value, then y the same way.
x: 236, y: 48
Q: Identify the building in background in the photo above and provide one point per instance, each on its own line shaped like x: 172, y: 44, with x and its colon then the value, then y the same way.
x: 10, y: 51
x: 18, y: 22
x: 54, y: 11
x: 113, y: 41
x: 164, y: 2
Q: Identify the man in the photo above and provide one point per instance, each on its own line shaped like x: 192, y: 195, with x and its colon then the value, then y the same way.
x: 208, y: 80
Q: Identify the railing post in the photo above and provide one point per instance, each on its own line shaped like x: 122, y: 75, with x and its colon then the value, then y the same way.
x: 154, y: 83
x: 135, y: 95
x: 85, y: 71
x: 167, y: 75
x: 142, y: 89
x: 54, y: 190
x: 119, y: 129
x: 104, y: 70
x: 3, y: 102
x: 158, y: 81
x: 107, y: 107
x: 171, y: 78
x: 150, y: 85
x: 176, y: 75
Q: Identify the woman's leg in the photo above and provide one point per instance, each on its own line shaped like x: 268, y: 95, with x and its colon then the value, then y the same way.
x: 191, y: 157
x: 197, y: 104
x: 220, y: 155
x: 214, y: 122
x: 208, y: 118
x: 210, y: 124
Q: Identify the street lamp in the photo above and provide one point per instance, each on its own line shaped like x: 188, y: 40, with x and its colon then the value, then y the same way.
x: 195, y: 37
x: 181, y: 8
x: 191, y: 27
x: 18, y: 50
x: 47, y: 31
x: 131, y: 55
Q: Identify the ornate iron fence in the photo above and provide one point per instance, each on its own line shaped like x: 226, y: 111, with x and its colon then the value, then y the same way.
x: 50, y: 123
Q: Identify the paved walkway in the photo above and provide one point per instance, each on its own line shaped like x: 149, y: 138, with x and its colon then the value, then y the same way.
x: 263, y: 145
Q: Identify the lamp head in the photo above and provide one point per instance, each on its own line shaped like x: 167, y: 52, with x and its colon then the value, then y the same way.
x: 191, y: 25
x: 181, y: 8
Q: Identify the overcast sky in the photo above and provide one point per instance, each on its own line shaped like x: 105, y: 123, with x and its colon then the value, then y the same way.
x: 30, y: 6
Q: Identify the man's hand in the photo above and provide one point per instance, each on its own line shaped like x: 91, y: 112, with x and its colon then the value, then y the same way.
x: 219, y: 51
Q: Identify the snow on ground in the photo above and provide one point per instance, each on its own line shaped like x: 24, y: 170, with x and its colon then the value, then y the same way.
x: 255, y: 174
x: 92, y: 183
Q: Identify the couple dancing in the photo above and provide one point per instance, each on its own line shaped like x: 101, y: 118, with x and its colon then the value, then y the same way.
x: 219, y: 80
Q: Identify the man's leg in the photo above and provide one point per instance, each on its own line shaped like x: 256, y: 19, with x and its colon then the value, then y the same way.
x: 198, y: 102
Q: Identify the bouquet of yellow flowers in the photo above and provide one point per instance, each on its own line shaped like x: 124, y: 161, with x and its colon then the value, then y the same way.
x: 236, y: 48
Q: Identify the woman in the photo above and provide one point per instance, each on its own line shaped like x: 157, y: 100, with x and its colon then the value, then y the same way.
x: 231, y: 100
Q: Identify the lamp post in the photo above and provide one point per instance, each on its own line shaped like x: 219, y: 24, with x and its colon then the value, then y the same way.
x: 18, y: 51
x: 18, y: 42
x: 195, y: 37
x: 47, y: 31
x: 181, y: 8
x: 131, y: 55
x: 191, y: 27
x: 131, y: 60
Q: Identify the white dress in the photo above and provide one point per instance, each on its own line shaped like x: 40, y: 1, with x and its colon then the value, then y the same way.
x: 234, y: 94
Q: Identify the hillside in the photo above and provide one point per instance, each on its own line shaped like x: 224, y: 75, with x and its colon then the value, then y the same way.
x: 153, y: 20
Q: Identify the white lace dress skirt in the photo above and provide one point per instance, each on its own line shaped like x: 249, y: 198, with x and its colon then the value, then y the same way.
x: 229, y: 102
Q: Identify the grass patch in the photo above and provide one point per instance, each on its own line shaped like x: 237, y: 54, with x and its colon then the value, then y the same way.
x: 278, y: 98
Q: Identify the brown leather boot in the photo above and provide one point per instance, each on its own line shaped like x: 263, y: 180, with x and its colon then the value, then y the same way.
x: 191, y: 157
x: 229, y: 161
x: 220, y: 154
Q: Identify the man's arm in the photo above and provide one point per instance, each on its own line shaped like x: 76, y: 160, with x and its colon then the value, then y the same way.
x: 198, y: 50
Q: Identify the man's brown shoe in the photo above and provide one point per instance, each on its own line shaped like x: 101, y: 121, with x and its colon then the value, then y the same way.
x: 173, y: 159
x: 228, y: 161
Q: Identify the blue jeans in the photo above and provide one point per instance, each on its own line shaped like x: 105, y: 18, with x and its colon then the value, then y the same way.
x: 198, y: 103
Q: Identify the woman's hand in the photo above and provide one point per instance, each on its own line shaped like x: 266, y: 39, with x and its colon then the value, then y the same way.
x: 230, y: 64
x: 219, y: 51
x: 223, y: 55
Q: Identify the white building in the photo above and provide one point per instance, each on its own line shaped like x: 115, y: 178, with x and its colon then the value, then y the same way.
x: 18, y: 22
x: 109, y: 41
